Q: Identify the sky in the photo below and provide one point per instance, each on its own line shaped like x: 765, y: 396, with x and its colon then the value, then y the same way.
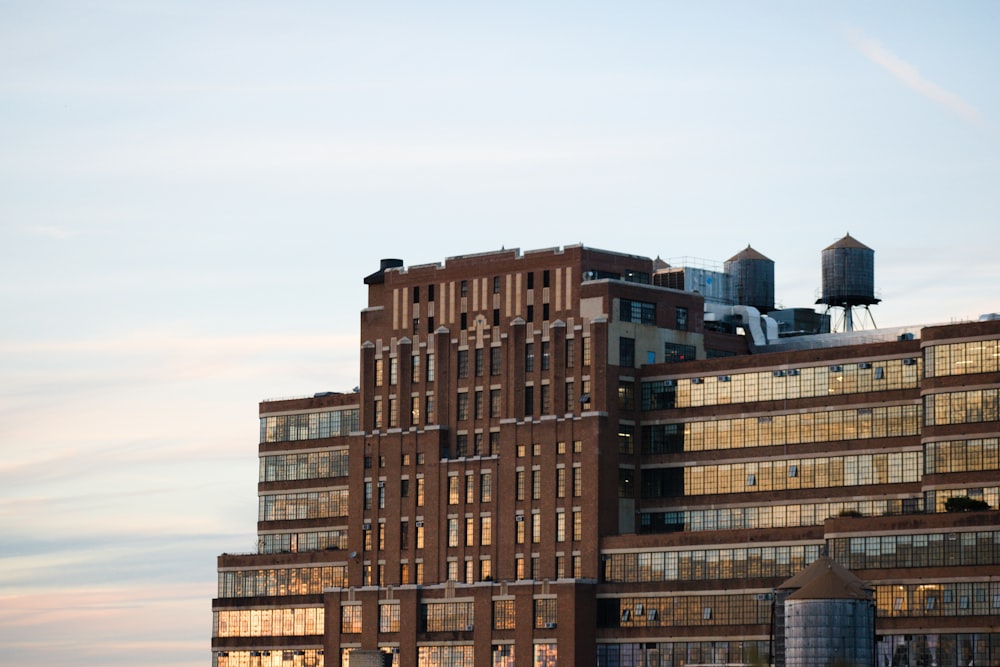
x: 191, y: 194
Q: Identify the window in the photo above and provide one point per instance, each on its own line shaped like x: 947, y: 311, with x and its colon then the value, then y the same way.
x: 674, y: 353
x: 504, y: 618
x: 519, y: 485
x: 529, y: 357
x: 470, y: 531
x: 570, y: 352
x: 545, y: 278
x: 486, y: 531
x: 429, y: 409
x: 478, y: 405
x: 379, y: 366
x: 626, y: 352
x: 416, y: 294
x: 393, y: 370
x: 452, y: 533
x: 463, y: 364
x: 529, y: 400
x: 586, y: 350
x: 463, y: 405
x: 393, y: 413
x: 545, y: 312
x: 495, y: 360
x: 485, y: 487
x: 560, y: 482
x: 531, y: 280
x: 470, y: 487
x: 545, y: 355
x: 479, y: 362
x: 453, y: 490
x: 463, y: 288
x: 560, y: 526
x: 682, y: 318
x: 546, y: 400
x: 494, y: 403
x: 496, y: 317
x: 350, y: 618
x: 536, y: 484
x: 430, y: 292
x: 430, y: 367
x: 636, y: 311
x: 536, y: 528
x: 546, y: 613
x: 415, y: 368
x: 496, y: 284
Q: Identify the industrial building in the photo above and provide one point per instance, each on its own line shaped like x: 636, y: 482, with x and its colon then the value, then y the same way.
x: 571, y: 456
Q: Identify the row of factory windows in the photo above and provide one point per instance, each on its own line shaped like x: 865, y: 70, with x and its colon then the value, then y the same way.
x: 772, y: 515
x: 708, y: 564
x: 268, y: 622
x: 794, y: 473
x: 769, y: 430
x: 837, y: 425
x: 309, y: 426
x: 972, y: 548
x: 281, y: 581
x: 860, y: 377
x: 982, y: 356
x: 938, y: 599
x: 978, y: 548
x: 777, y: 385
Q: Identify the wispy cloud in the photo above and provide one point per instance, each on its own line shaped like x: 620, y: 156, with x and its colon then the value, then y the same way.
x: 51, y: 232
x: 910, y: 76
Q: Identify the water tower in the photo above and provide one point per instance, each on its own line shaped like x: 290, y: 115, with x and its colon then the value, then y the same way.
x: 848, y: 281
x: 752, y: 275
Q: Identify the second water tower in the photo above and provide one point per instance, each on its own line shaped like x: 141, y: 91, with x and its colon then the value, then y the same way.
x: 849, y: 279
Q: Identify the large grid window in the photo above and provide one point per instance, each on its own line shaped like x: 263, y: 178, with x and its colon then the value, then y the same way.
x: 676, y: 352
x: 308, y: 426
x: 642, y: 312
x: 962, y: 407
x: 388, y: 617
x: 972, y: 548
x: 981, y: 356
x: 504, y: 617
x: 546, y: 612
x: 709, y: 564
x: 350, y: 618
x: 447, y: 616
x: 312, y: 465
x: 274, y: 622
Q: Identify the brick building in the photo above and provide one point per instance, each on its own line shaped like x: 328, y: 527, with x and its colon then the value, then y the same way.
x: 568, y: 456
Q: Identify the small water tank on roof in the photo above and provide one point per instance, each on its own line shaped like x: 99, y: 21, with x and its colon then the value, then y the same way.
x: 848, y: 274
x: 752, y: 275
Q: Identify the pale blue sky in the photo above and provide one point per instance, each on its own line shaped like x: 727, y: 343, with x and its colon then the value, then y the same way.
x: 192, y: 192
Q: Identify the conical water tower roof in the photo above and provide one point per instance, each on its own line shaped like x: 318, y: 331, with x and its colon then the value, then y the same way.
x: 826, y: 579
x: 748, y: 253
x: 847, y: 242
